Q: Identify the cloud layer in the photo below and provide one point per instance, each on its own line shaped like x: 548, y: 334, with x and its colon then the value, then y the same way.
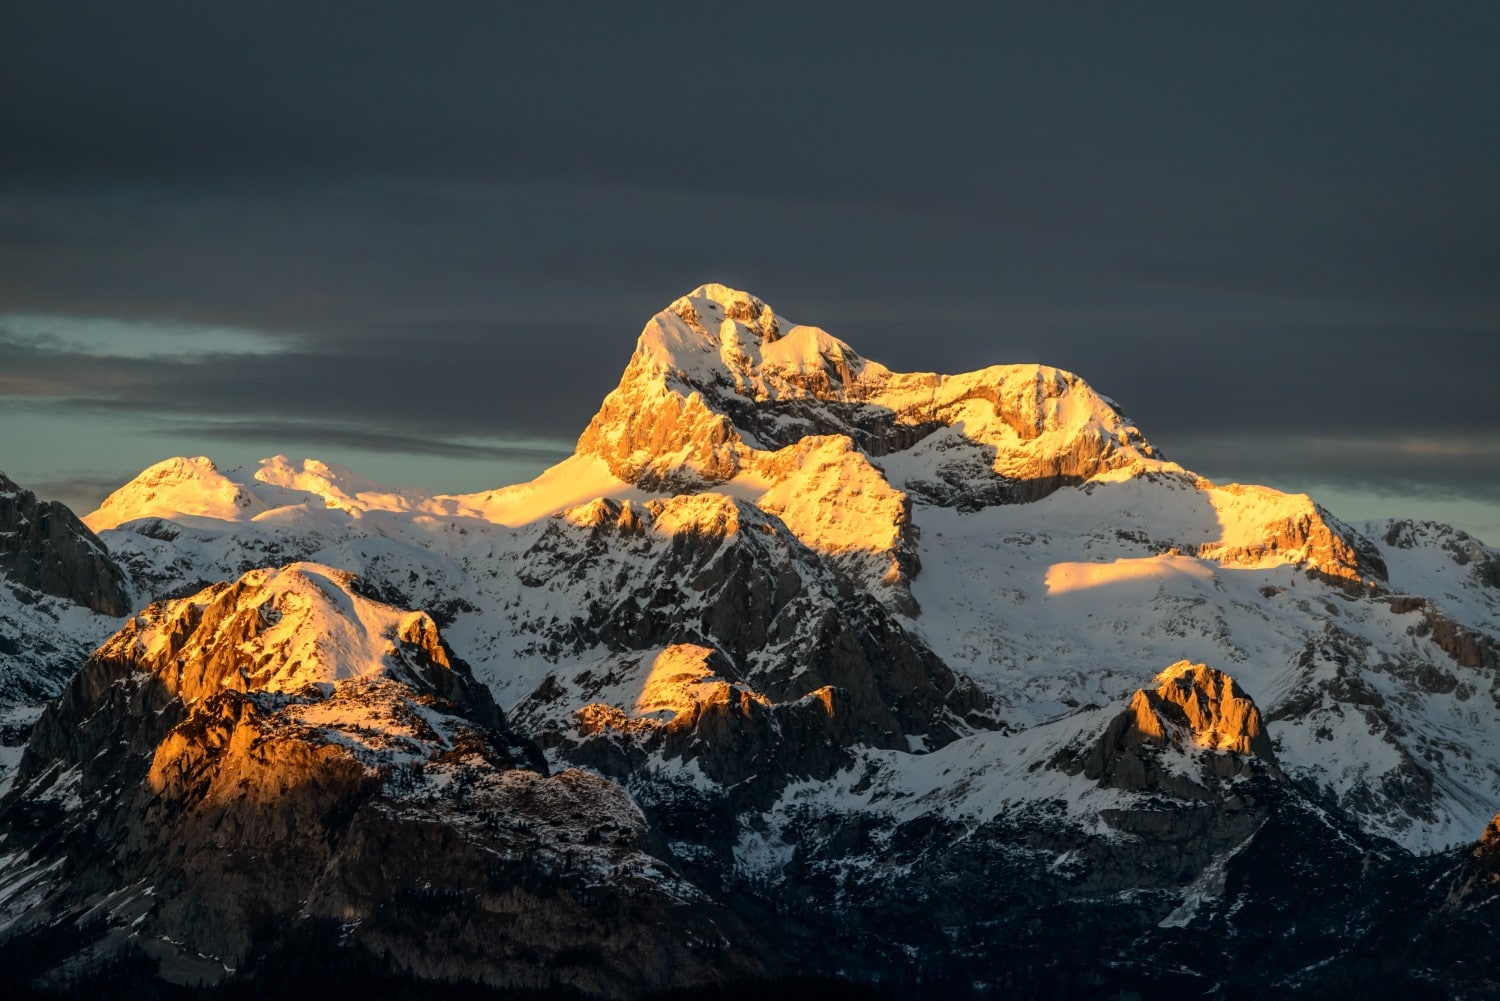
x: 1272, y: 235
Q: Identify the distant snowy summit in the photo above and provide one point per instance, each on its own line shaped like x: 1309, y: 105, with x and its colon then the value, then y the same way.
x: 195, y: 490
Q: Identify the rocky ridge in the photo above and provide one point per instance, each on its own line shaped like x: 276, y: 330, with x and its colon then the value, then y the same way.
x: 43, y: 546
x: 61, y: 593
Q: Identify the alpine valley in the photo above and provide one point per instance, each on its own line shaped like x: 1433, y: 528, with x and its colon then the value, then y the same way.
x: 936, y: 686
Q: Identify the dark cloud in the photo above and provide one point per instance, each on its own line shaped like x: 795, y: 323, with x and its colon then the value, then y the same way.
x: 1445, y: 467
x: 441, y: 382
x: 1264, y: 225
x: 364, y: 439
x: 80, y: 493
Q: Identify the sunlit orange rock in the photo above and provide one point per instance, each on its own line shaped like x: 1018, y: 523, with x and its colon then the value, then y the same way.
x: 1192, y: 708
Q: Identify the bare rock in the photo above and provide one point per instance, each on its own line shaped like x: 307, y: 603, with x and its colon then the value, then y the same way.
x: 44, y: 546
x: 1195, y: 727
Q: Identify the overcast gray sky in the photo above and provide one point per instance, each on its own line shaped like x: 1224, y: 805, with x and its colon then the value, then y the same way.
x: 421, y: 239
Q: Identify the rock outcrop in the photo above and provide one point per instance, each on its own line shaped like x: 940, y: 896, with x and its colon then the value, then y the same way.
x: 688, y: 711
x: 45, y: 547
x: 1196, y: 726
x: 1486, y: 855
x: 1290, y: 528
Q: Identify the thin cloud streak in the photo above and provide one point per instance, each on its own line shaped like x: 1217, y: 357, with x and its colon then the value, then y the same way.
x: 105, y: 337
x: 365, y: 439
x: 1447, y: 467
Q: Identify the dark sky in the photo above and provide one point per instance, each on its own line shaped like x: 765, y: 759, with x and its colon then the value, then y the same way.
x: 421, y: 239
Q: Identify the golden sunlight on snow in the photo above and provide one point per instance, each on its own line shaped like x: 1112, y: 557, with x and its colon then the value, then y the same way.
x: 832, y: 498
x: 575, y: 480
x: 339, y: 487
x: 275, y: 630
x: 680, y: 678
x: 176, y: 488
x: 679, y: 687
x: 1065, y: 577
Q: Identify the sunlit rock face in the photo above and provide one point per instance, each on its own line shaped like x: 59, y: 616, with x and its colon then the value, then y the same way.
x: 1487, y: 853
x: 833, y: 498
x: 1159, y: 741
x: 717, y: 378
x: 1218, y: 715
x: 281, y: 753
x: 1290, y: 528
x: 687, y: 710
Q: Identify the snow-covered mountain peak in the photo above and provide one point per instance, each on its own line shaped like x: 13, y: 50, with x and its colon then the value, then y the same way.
x: 711, y: 304
x: 718, y: 378
x: 194, y: 492
x: 339, y: 487
x: 178, y: 488
x: 716, y: 338
x: 279, y: 630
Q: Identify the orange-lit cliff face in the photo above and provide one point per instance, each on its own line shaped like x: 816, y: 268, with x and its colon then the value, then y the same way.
x: 1219, y: 715
x: 1191, y: 708
x: 718, y: 378
x: 1488, y: 849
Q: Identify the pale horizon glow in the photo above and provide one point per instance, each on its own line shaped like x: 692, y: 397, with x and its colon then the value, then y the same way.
x: 114, y: 337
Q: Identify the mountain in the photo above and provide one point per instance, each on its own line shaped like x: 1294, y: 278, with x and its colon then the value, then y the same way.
x: 43, y: 546
x: 945, y: 683
x: 283, y: 752
x: 61, y: 593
